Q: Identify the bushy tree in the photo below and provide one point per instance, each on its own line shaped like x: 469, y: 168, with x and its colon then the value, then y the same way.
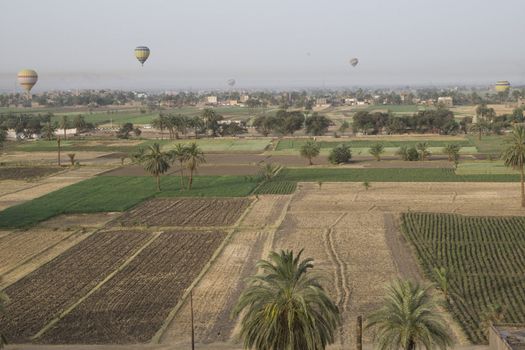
x: 310, y: 150
x: 317, y: 124
x: 340, y: 154
x: 376, y: 150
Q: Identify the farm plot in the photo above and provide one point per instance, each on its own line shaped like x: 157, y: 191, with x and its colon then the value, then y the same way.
x: 43, y: 294
x: 132, y: 306
x: 485, y: 257
x: 26, y: 173
x: 20, y: 246
x: 277, y: 187
x: 186, y: 212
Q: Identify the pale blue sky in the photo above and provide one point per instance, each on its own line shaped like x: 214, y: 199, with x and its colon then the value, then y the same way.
x: 262, y: 43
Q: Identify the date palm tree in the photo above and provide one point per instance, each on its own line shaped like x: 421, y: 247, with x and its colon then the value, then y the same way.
x: 180, y: 154
x: 310, y: 150
x: 285, y: 306
x: 48, y: 130
x: 64, y: 124
x: 194, y: 158
x: 155, y: 162
x: 452, y: 151
x: 514, y: 155
x: 3, y: 300
x: 409, y: 319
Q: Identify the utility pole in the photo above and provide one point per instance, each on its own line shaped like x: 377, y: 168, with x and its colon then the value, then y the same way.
x: 359, y: 333
x: 192, y: 330
x: 58, y: 142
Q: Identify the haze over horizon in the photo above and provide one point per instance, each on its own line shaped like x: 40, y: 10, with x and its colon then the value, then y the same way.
x: 267, y: 44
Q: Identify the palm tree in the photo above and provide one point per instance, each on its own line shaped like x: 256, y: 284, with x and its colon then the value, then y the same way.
x: 161, y: 123
x: 514, y: 155
x: 285, y: 306
x: 310, y: 150
x: 422, y: 148
x: 376, y: 150
x: 452, y: 151
x: 195, y: 157
x: 408, y: 319
x: 155, y: 162
x: 180, y: 154
x: 481, y: 127
x: 3, y: 300
x: 48, y: 130
x: 64, y: 123
x: 441, y: 276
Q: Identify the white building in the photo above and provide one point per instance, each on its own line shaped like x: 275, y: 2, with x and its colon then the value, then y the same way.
x: 446, y: 101
x: 211, y: 100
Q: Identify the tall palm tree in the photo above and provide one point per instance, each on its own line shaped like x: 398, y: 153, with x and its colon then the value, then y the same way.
x: 180, y: 154
x: 155, y: 162
x: 514, y: 155
x: 409, y: 319
x: 310, y: 150
x: 3, y: 300
x: 422, y: 149
x: 48, y: 130
x: 64, y: 123
x: 452, y: 151
x: 285, y: 306
x: 195, y: 157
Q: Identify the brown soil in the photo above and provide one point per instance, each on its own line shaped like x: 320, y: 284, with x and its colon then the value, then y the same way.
x: 26, y: 173
x: 185, y: 212
x: 43, y: 294
x: 132, y: 306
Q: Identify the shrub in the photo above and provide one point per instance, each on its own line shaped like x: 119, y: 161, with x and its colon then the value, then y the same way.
x: 340, y: 154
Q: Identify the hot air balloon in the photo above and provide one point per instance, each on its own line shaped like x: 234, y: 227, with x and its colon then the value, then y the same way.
x: 231, y: 82
x: 27, y: 78
x: 502, y: 86
x: 354, y: 61
x: 142, y: 53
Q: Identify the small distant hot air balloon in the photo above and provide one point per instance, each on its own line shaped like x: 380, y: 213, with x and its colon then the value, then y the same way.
x: 502, y: 86
x: 231, y: 82
x: 354, y: 61
x: 142, y: 53
x: 27, y: 78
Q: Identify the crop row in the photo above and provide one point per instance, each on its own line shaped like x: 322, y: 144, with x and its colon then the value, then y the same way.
x: 43, y: 294
x: 485, y: 257
x: 277, y: 187
x: 133, y: 305
x: 186, y: 212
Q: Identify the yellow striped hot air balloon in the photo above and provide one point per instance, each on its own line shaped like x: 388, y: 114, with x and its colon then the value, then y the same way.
x: 27, y: 78
x: 142, y: 53
x: 502, y: 86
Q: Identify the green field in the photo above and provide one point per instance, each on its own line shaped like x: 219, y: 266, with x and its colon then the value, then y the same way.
x: 118, y: 193
x: 226, y: 145
x: 480, y: 167
x: 485, y: 258
x: 407, y: 109
x: 494, y: 144
x: 126, y: 146
x: 277, y: 187
x: 386, y: 175
x: 295, y: 144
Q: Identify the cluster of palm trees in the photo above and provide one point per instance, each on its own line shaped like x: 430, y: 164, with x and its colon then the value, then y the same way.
x: 182, y: 124
x: 285, y: 306
x: 157, y: 162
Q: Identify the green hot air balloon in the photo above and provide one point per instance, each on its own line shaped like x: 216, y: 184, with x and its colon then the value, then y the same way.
x: 142, y: 53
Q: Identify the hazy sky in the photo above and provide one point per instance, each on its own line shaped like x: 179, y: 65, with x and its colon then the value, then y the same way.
x: 262, y: 43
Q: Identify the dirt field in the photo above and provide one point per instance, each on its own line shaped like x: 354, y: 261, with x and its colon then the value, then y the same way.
x: 133, y: 305
x: 46, y: 292
x: 353, y: 235
x: 26, y: 173
x: 185, y: 212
